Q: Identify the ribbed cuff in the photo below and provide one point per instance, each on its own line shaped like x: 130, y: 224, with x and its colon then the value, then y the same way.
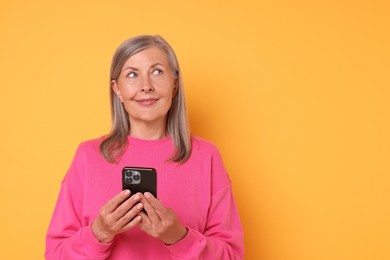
x: 186, y: 246
x: 92, y: 246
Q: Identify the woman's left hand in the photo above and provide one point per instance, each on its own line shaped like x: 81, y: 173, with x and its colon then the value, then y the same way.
x: 160, y: 222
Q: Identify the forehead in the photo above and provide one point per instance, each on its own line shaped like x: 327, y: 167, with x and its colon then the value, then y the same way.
x: 148, y: 57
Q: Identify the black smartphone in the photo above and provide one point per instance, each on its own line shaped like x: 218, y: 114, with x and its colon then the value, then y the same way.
x: 139, y: 179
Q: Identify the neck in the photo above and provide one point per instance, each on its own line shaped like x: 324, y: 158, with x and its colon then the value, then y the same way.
x: 148, y: 130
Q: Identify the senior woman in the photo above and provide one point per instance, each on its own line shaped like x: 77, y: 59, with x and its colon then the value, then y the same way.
x: 195, y: 215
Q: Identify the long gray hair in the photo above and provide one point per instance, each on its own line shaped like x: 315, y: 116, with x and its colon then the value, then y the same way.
x: 116, y: 142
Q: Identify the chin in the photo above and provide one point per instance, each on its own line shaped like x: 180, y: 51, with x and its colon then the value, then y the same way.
x: 148, y: 119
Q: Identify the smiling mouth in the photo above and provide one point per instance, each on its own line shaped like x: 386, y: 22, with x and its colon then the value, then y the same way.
x: 146, y: 101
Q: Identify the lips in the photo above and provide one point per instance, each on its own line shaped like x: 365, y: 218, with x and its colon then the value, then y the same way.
x: 147, y: 101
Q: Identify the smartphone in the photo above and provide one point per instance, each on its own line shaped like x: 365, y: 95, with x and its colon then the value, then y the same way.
x: 139, y: 179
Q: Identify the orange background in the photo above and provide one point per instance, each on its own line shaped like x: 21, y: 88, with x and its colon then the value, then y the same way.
x: 294, y: 93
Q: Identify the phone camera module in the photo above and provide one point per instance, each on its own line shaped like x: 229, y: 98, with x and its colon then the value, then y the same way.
x: 132, y: 177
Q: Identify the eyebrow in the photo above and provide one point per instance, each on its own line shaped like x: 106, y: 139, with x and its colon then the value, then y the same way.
x: 130, y: 68
x: 153, y: 65
x: 156, y: 64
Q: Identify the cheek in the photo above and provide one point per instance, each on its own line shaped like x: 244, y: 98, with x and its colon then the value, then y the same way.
x: 169, y: 103
x: 128, y: 92
x: 169, y: 96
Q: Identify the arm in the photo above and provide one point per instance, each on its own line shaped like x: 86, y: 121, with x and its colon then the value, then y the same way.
x: 67, y: 238
x: 73, y: 236
x: 222, y: 239
x: 223, y: 236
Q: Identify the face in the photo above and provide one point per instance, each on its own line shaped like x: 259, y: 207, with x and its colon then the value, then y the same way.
x: 146, y: 86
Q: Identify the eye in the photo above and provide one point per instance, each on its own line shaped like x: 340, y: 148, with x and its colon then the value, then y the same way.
x: 132, y: 75
x: 157, y: 72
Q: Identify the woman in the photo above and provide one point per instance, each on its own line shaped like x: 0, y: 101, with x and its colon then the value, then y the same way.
x: 195, y: 215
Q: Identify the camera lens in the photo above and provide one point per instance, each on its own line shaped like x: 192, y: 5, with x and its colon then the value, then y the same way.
x: 128, y: 173
x: 136, y: 177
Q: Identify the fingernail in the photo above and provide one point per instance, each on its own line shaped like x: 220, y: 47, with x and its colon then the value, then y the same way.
x: 136, y: 197
x: 126, y: 192
x: 139, y: 206
x: 148, y: 195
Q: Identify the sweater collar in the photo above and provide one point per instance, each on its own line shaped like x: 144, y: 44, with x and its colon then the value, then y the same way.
x: 142, y: 143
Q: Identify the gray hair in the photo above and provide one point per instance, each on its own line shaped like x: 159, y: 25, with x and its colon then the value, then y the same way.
x: 116, y: 142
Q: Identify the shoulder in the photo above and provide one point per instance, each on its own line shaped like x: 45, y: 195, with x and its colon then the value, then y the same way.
x: 87, y: 153
x: 204, y: 148
x: 91, y: 144
x: 89, y: 148
x: 206, y: 153
x: 202, y: 145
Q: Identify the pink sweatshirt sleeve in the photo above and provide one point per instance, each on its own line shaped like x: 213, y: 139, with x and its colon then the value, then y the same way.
x: 223, y: 237
x: 67, y: 237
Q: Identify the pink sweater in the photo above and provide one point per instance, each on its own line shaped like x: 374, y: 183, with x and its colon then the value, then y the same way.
x: 199, y: 192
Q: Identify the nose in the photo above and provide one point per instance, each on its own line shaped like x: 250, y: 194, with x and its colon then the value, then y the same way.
x: 147, y: 85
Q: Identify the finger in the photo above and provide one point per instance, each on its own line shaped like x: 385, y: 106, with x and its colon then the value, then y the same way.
x: 113, y: 204
x: 145, y: 223
x: 157, y: 205
x: 122, y: 209
x: 134, y: 222
x: 130, y: 215
x: 150, y: 211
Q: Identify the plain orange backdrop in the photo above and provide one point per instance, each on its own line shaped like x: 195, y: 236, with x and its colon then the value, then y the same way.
x: 294, y: 93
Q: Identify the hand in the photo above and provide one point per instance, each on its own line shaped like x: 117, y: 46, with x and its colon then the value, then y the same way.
x: 160, y: 222
x: 117, y: 216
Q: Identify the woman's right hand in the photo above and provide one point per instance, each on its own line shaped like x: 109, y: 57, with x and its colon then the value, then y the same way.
x: 116, y: 216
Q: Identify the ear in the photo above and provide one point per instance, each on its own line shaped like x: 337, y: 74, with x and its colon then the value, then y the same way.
x: 175, y: 89
x: 116, y: 89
